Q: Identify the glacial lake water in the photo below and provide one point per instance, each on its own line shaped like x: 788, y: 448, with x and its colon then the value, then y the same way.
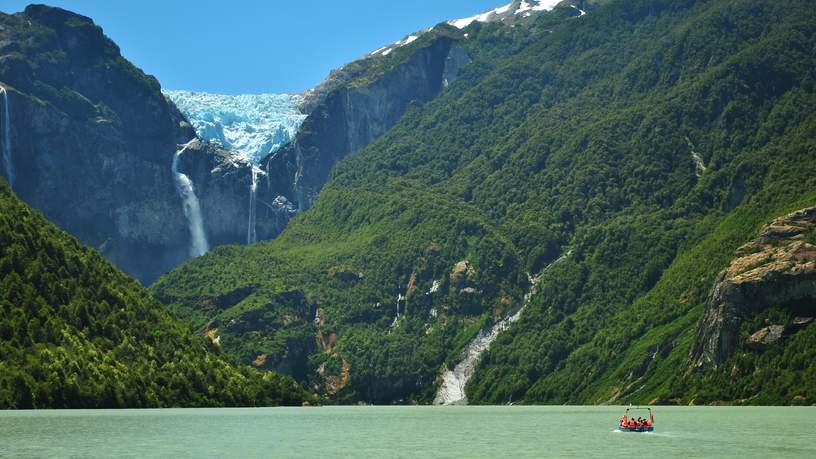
x: 410, y: 432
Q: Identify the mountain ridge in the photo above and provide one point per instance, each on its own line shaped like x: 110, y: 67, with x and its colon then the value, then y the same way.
x: 480, y: 178
x: 639, y: 143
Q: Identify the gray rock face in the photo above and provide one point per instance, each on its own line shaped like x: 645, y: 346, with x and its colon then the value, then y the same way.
x: 93, y: 139
x: 767, y: 335
x: 344, y: 117
x: 777, y: 268
x: 222, y: 184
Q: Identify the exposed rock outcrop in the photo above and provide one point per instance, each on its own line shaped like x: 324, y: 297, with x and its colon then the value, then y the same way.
x: 462, y: 275
x: 767, y: 335
x: 775, y: 269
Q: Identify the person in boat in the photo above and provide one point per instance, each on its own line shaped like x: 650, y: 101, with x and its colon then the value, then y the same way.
x: 632, y: 424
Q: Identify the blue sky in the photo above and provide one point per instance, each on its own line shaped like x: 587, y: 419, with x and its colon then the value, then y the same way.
x: 253, y: 46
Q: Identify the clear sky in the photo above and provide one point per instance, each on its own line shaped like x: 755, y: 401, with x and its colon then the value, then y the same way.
x: 254, y: 46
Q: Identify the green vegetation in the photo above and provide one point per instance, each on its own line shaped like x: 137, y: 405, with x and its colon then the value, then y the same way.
x: 77, y: 333
x: 573, y: 135
x: 58, y: 47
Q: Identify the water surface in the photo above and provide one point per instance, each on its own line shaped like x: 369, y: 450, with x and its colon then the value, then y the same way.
x: 408, y: 432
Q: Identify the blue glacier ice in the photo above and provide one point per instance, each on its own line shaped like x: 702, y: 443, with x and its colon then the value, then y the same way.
x: 252, y: 126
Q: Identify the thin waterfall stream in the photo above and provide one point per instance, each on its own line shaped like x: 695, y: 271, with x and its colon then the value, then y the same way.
x: 8, y: 163
x: 452, y: 389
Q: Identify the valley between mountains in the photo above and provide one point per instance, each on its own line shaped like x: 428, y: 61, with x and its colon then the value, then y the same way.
x: 576, y: 202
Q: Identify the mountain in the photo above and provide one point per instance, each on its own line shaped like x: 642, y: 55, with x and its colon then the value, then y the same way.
x: 133, y: 183
x: 77, y: 333
x: 90, y: 139
x: 516, y: 11
x: 562, y: 209
x: 251, y: 126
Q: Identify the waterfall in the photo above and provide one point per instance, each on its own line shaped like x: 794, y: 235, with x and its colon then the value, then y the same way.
x: 192, y: 208
x: 452, y: 389
x: 252, y: 236
x: 400, y: 297
x: 8, y: 165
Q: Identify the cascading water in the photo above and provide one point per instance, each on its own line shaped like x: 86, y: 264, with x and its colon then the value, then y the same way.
x: 8, y: 164
x: 252, y: 236
x: 250, y: 126
x: 452, y: 389
x: 192, y: 208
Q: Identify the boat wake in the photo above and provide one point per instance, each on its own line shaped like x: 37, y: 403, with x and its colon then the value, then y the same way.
x: 650, y: 434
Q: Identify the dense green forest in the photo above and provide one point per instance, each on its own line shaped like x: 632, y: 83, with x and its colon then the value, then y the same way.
x: 649, y: 138
x: 77, y: 333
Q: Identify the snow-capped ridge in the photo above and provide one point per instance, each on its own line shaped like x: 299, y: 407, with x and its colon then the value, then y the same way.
x: 387, y: 49
x: 515, y: 10
x: 525, y: 8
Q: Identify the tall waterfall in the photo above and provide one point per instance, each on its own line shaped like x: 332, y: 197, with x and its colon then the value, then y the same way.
x: 452, y: 389
x: 8, y: 164
x: 250, y: 126
x: 192, y: 208
x: 252, y: 236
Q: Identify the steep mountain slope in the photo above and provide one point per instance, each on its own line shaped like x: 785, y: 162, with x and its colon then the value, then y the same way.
x: 352, y: 279
x: 72, y: 104
x: 91, y: 138
x: 362, y: 100
x: 615, y: 324
x: 651, y: 138
x: 77, y: 333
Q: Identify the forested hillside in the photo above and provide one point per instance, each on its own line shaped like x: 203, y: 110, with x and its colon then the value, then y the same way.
x: 648, y: 140
x: 77, y: 333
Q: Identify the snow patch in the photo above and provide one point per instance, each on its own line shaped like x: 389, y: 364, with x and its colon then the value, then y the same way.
x: 525, y: 8
x: 543, y: 5
x: 408, y: 40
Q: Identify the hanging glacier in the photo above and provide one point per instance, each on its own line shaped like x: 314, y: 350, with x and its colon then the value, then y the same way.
x: 251, y: 126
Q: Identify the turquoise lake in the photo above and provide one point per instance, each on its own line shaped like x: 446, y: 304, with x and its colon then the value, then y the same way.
x: 426, y: 431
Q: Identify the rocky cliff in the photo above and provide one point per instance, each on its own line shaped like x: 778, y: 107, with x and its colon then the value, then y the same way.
x: 91, y: 139
x: 346, y: 112
x: 354, y: 106
x: 776, y: 269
